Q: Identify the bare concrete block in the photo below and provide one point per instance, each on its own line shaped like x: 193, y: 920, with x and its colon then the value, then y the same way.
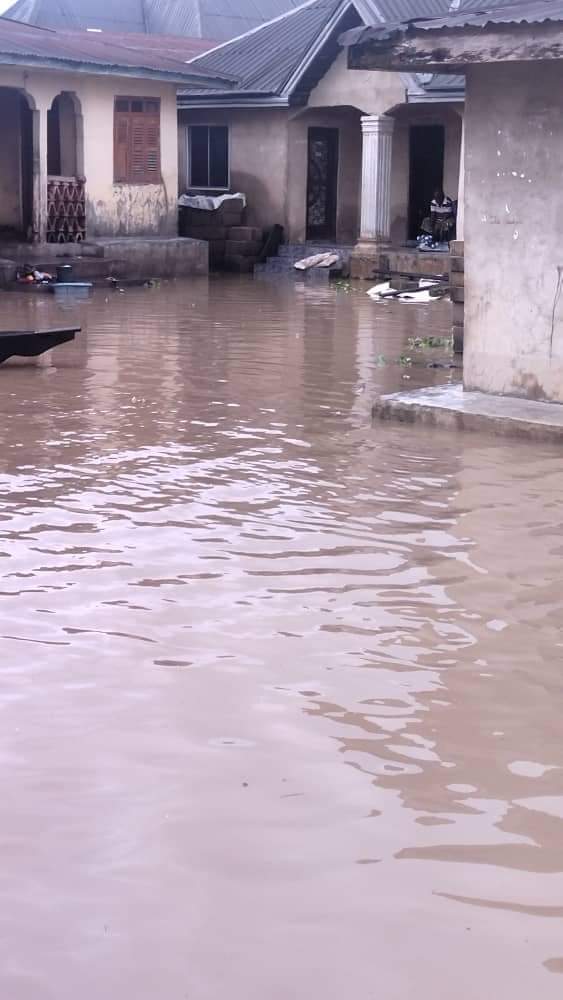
x: 209, y: 232
x: 456, y: 248
x: 458, y: 313
x: 457, y: 333
x: 250, y: 248
x: 457, y: 295
x: 233, y: 205
x: 239, y: 263
x: 245, y: 233
x: 457, y: 279
x: 457, y: 264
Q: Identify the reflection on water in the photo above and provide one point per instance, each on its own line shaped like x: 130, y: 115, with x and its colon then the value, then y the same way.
x: 280, y: 690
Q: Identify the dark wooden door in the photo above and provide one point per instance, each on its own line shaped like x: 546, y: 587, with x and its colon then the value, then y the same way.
x: 322, y: 183
x: 426, y: 171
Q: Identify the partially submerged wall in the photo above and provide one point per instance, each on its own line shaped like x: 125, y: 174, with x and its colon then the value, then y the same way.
x: 347, y: 121
x: 10, y: 161
x: 112, y: 209
x: 513, y: 224
x: 257, y: 155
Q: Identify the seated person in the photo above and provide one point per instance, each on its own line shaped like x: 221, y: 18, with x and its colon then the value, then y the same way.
x: 442, y: 217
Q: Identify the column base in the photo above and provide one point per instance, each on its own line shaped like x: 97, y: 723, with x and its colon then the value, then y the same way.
x: 370, y: 258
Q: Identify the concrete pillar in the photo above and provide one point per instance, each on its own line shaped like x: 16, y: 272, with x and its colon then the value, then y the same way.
x: 461, y: 186
x: 377, y: 146
x: 40, y: 171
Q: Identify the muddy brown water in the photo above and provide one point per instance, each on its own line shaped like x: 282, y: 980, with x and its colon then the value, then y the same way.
x: 280, y: 690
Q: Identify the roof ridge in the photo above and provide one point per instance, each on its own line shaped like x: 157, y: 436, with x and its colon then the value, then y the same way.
x: 259, y: 27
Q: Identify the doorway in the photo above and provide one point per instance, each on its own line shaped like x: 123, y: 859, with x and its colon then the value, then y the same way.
x: 16, y: 166
x: 322, y: 183
x: 426, y: 156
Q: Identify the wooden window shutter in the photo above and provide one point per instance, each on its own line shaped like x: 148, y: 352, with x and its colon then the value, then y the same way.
x: 121, y: 147
x: 137, y: 142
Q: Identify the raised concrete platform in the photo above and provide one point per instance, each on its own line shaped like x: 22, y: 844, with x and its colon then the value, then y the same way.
x: 127, y: 257
x: 154, y: 257
x: 398, y: 260
x: 450, y: 407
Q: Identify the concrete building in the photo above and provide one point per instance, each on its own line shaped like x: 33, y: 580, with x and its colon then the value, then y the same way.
x: 89, y: 137
x: 512, y: 57
x: 329, y: 153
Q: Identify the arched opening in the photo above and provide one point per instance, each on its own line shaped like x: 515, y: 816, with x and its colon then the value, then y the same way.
x: 66, y: 208
x: 16, y: 165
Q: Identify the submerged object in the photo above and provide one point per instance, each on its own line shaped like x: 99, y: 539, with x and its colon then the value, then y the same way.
x: 32, y: 343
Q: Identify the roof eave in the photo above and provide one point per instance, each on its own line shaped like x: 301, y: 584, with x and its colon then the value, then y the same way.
x: 296, y: 77
x: 98, y: 69
x: 232, y: 101
x: 427, y: 47
x: 437, y: 97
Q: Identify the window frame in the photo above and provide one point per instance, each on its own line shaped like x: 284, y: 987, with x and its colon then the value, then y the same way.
x: 149, y: 118
x: 208, y: 126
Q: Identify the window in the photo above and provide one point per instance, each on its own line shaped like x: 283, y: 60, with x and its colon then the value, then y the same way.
x: 208, y: 156
x: 136, y: 142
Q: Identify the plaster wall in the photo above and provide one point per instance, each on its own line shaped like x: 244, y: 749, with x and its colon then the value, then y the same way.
x: 10, y: 161
x: 513, y: 223
x: 371, y: 92
x: 112, y: 209
x: 258, y: 158
x: 347, y: 121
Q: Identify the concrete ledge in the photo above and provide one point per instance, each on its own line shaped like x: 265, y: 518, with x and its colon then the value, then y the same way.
x: 153, y: 257
x: 450, y: 407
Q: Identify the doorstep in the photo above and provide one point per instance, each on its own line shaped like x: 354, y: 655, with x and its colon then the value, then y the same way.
x: 451, y: 407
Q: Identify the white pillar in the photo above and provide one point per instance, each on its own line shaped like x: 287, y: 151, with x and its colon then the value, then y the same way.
x: 377, y: 146
x: 461, y: 186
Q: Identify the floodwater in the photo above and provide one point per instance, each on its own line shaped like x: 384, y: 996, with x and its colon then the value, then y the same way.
x: 280, y: 690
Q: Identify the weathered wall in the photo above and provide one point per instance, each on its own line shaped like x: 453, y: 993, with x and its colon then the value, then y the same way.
x: 513, y: 225
x: 420, y: 114
x: 112, y: 209
x: 258, y: 158
x: 127, y: 209
x: 347, y: 121
x: 372, y: 93
x: 10, y: 159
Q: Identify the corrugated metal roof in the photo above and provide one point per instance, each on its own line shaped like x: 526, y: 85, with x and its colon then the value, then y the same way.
x: 217, y: 19
x: 264, y: 60
x: 470, y: 13
x: 98, y: 52
x: 479, y: 15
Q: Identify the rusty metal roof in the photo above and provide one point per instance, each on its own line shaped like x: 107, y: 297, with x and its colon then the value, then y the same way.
x: 478, y: 15
x: 24, y: 44
x: 469, y: 14
x: 217, y: 19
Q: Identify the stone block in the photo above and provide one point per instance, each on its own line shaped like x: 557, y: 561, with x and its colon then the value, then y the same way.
x: 239, y: 263
x: 458, y: 313
x: 243, y: 248
x: 457, y: 264
x: 457, y: 332
x: 457, y: 295
x: 235, y: 206
x: 457, y: 279
x: 209, y: 232
x: 152, y: 257
x: 456, y: 248
x: 246, y: 233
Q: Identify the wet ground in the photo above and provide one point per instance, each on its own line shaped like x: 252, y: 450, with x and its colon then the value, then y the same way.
x: 280, y: 690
